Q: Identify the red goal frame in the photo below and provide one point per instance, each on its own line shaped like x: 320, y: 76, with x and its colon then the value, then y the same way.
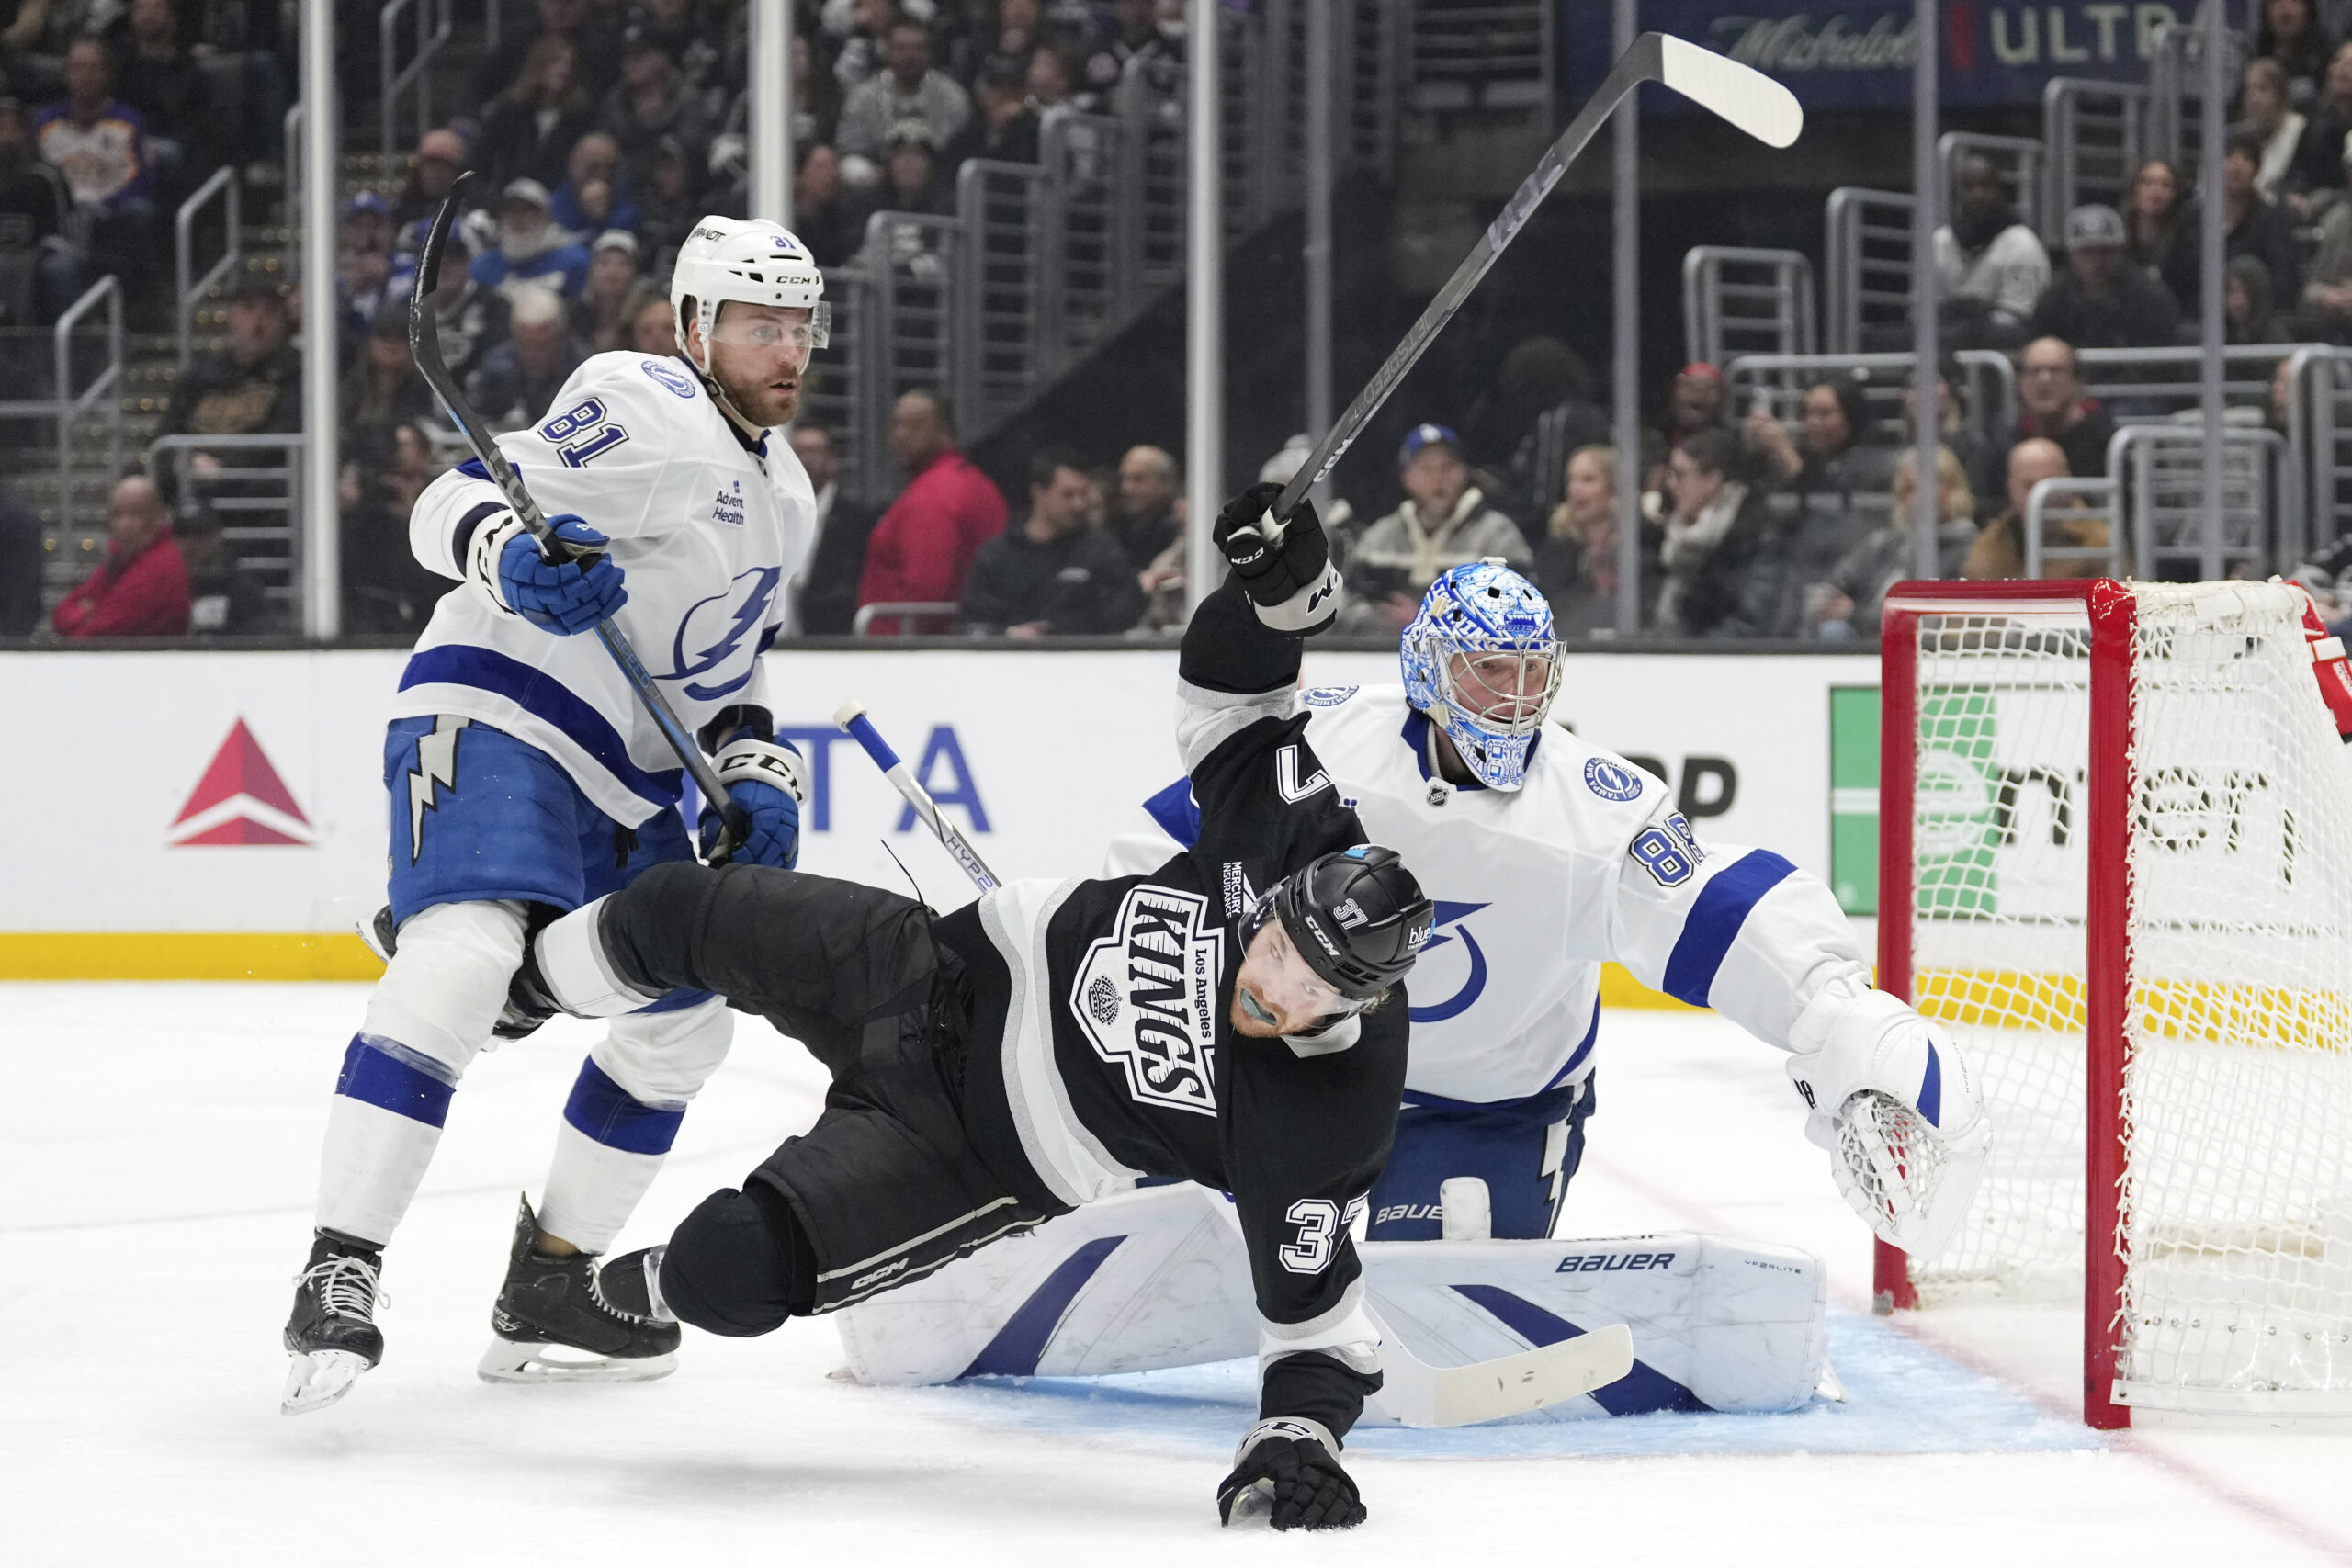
x: 2113, y: 613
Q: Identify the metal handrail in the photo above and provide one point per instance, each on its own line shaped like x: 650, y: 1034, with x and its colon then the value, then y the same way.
x: 428, y: 46
x: 1704, y: 286
x: 861, y: 624
x: 1846, y: 219
x: 295, y: 448
x: 2037, y: 505
x: 66, y: 406
x: 191, y: 290
x: 1994, y: 414
x: 2129, y: 452
x: 2065, y: 103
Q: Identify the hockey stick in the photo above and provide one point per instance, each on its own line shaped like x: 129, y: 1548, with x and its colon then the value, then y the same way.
x: 1748, y: 99
x: 1418, y: 1394
x: 852, y: 717
x: 424, y: 342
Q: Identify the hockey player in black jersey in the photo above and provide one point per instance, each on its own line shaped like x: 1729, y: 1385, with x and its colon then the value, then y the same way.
x: 1236, y: 1019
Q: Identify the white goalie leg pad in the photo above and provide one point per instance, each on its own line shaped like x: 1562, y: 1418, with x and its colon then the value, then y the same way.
x: 660, y: 1060
x: 579, y: 979
x: 1892, y: 1096
x: 432, y: 1010
x: 1730, y: 1326
x: 1153, y: 1278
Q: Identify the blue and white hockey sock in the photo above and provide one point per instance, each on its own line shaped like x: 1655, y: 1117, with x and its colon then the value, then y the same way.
x: 607, y: 1152
x: 389, y: 1102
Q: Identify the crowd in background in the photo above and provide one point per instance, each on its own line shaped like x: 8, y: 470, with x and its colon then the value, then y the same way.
x: 602, y: 130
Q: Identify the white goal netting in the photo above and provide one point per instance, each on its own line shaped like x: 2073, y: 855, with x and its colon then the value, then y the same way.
x: 2237, y: 1093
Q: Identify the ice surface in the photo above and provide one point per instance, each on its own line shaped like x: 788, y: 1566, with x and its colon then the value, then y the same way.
x: 158, y: 1144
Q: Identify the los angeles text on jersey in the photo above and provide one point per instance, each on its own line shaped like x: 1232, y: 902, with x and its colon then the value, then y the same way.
x: 1146, y: 994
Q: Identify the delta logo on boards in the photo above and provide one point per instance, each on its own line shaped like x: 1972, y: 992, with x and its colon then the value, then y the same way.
x: 241, y: 801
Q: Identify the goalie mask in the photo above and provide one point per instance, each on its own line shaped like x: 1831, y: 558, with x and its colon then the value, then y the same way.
x: 756, y: 262
x: 1357, y: 917
x: 1480, y: 661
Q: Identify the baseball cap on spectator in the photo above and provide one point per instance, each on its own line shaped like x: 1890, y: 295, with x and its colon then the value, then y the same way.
x: 1424, y: 436
x: 257, y: 286
x: 1702, y: 370
x: 1005, y: 73
x: 527, y: 190
x: 911, y: 133
x: 614, y: 240
x: 368, y: 201
x: 1284, y: 466
x: 2094, y: 224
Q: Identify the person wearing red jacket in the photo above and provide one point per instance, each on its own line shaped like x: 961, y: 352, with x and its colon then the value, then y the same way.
x: 141, y: 589
x: 922, y: 548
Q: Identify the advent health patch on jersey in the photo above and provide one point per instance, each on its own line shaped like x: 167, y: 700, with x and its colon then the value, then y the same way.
x: 1611, y: 781
x: 1146, y: 995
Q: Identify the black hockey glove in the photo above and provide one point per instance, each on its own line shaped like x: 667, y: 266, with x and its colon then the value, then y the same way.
x: 1272, y: 572
x: 1285, y: 1473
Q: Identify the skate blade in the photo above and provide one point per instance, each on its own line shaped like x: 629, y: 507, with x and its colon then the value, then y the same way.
x: 318, y: 1377
x: 541, y: 1361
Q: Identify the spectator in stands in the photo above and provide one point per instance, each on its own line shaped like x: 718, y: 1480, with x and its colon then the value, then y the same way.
x: 653, y: 322
x: 2265, y: 114
x: 42, y: 278
x: 155, y: 75
x: 911, y: 178
x: 1020, y: 27
x: 1541, y: 413
x: 650, y: 101
x: 2247, y: 314
x: 1053, y: 575
x: 2050, y: 384
x: 1824, y: 474
x: 1990, y: 266
x: 1442, y: 523
x: 2327, y: 296
x: 1999, y: 550
x: 594, y: 195
x: 1698, y: 400
x: 2151, y: 220
x: 385, y: 590
x: 519, y: 379
x: 1724, y: 578
x: 687, y: 34
x: 2101, y: 301
x: 141, y: 586
x: 829, y: 593
x: 366, y: 224
x: 910, y: 89
x: 532, y: 125
x: 600, y: 317
x: 252, y: 388
x: 2291, y: 34
x: 1133, y: 39
x: 864, y: 33
x: 1576, y: 562
x: 223, y: 599
x: 440, y: 159
x: 816, y: 96
x: 1143, y: 521
x: 384, y: 387
x: 1004, y: 127
x: 824, y: 216
x: 922, y: 550
x: 1849, y: 604
x: 670, y: 204
x: 2251, y: 226
x: 532, y: 251
x: 468, y: 315
x: 1052, y: 82
x: 99, y: 144
x: 2316, y: 180
x: 592, y: 31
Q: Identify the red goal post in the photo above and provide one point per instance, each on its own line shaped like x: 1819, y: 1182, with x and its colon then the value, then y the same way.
x: 2116, y: 861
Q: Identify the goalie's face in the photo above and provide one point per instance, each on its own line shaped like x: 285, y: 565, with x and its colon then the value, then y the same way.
x: 758, y: 355
x: 1277, y: 993
x: 1505, y: 690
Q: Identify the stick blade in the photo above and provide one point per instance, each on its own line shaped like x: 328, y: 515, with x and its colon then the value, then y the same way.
x: 1419, y: 1395
x: 1740, y: 94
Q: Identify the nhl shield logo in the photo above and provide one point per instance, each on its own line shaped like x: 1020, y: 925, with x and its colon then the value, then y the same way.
x: 1145, y: 997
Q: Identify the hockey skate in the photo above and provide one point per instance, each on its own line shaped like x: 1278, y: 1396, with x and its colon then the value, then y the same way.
x: 333, y: 1334
x: 554, y: 1323
x: 527, y: 1004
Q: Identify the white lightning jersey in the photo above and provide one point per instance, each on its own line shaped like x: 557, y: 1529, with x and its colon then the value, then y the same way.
x: 713, y: 537
x: 1534, y: 888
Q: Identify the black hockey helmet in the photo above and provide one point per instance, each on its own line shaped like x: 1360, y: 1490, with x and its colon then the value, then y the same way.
x: 1357, y: 917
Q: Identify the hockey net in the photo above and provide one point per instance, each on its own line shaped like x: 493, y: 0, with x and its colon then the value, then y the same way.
x: 2116, y: 861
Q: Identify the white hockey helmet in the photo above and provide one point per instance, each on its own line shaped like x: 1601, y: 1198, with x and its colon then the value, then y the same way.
x: 754, y: 260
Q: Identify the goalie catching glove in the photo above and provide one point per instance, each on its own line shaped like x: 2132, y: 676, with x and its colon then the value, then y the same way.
x: 1285, y: 566
x: 565, y: 587
x: 1892, y: 1099
x: 764, y: 780
x: 1284, y: 1474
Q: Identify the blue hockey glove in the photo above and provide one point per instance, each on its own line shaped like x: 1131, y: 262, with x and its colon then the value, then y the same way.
x: 569, y: 593
x: 764, y: 780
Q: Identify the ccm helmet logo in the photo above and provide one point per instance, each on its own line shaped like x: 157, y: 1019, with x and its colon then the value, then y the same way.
x: 1316, y: 926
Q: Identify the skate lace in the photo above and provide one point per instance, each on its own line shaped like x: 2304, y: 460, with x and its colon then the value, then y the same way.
x: 346, y: 1286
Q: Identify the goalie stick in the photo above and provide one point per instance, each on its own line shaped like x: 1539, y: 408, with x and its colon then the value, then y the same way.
x: 1748, y: 98
x: 850, y: 717
x: 425, y: 344
x: 1416, y: 1394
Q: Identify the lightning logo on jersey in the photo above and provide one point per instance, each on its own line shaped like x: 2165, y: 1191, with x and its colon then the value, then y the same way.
x: 1145, y: 997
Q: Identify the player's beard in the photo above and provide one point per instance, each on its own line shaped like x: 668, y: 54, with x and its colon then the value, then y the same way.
x: 761, y: 403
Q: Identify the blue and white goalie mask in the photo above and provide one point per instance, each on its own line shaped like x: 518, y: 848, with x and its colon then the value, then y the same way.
x: 1481, y: 662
